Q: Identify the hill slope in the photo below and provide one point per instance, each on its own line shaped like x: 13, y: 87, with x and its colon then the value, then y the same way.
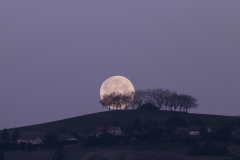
x: 87, y: 123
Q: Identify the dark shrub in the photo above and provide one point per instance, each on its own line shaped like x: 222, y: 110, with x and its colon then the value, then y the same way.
x: 148, y: 106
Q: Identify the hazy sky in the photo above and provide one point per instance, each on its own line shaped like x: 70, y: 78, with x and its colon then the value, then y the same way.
x: 54, y: 55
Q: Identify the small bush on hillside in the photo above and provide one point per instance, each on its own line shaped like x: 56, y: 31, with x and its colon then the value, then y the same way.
x: 5, y: 135
x: 16, y: 134
x: 148, y: 106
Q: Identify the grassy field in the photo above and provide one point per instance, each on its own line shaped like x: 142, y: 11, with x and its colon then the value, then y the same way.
x: 87, y: 123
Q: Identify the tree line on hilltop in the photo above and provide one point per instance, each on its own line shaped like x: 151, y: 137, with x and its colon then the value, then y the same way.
x: 158, y: 98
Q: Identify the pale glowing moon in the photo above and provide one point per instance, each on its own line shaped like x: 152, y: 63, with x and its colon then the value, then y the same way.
x: 116, y: 84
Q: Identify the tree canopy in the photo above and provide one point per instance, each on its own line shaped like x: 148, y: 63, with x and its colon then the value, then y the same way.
x: 162, y: 99
x: 116, y: 100
x: 5, y: 135
x: 16, y: 134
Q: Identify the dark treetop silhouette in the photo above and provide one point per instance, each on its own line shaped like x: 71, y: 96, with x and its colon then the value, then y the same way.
x: 163, y: 99
x: 116, y: 100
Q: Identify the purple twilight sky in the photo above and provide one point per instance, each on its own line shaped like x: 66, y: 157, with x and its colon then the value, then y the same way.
x: 54, y: 55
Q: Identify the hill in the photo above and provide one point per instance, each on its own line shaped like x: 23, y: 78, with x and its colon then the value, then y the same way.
x: 153, y: 144
x: 87, y: 123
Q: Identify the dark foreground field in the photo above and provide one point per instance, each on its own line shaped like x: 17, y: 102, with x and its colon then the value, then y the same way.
x: 160, y: 148
x: 96, y: 153
x: 87, y: 123
x: 23, y: 155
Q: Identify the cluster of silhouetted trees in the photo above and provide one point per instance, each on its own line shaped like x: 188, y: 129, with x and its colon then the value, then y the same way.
x: 160, y: 98
x: 5, y: 136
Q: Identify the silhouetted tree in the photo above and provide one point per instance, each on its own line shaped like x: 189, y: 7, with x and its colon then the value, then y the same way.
x: 174, y: 101
x: 107, y: 101
x: 16, y: 134
x: 132, y: 103
x: 182, y: 99
x: 148, y: 96
x: 159, y: 95
x: 126, y: 98
x: 139, y: 99
x: 191, y: 102
x: 167, y: 100
x: 116, y: 100
x: 5, y: 135
x: 163, y: 99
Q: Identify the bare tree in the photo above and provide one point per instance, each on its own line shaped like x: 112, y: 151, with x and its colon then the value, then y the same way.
x: 190, y: 103
x: 107, y: 101
x: 167, y: 100
x: 139, y: 98
x: 116, y: 100
x: 132, y: 103
x: 174, y: 101
x: 127, y: 98
x: 163, y: 99
x: 183, y: 100
x: 158, y: 96
x: 148, y: 96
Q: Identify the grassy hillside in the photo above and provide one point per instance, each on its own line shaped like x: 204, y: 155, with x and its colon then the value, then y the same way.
x: 87, y: 123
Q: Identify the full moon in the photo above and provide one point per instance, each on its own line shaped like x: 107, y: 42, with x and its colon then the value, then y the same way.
x: 116, y: 84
